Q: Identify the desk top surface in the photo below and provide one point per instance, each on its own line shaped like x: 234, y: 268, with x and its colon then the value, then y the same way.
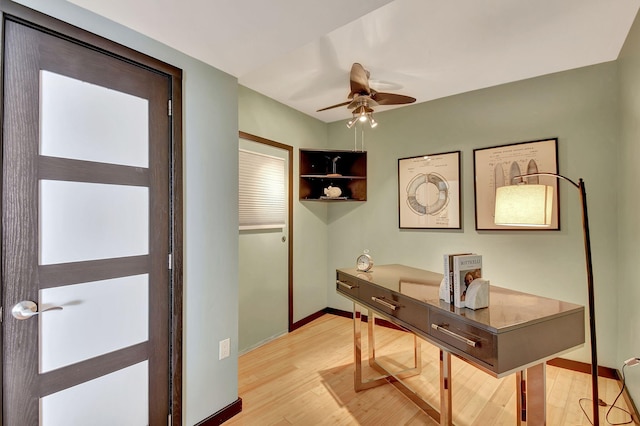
x: 507, y: 308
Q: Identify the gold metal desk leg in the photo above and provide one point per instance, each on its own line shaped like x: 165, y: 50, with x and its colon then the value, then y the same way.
x: 417, y: 353
x: 357, y: 351
x: 446, y: 417
x: 386, y: 375
x: 371, y: 322
x: 393, y: 378
x: 531, y: 394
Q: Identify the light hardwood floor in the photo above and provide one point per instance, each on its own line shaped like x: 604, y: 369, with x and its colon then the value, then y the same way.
x: 306, y: 378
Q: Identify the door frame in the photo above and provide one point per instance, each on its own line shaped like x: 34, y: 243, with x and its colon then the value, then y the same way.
x: 289, y: 149
x: 62, y: 29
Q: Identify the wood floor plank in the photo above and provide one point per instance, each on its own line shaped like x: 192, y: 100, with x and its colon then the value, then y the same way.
x: 306, y: 378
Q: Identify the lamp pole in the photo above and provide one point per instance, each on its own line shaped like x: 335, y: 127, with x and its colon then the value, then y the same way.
x: 592, y: 315
x: 590, y: 288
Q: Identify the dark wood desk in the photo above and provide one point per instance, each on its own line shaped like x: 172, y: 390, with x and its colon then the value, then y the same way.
x: 517, y: 333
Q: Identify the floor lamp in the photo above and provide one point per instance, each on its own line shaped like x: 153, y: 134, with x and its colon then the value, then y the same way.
x: 530, y: 205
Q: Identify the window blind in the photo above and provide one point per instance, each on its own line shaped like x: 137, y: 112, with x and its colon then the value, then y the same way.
x: 261, y: 191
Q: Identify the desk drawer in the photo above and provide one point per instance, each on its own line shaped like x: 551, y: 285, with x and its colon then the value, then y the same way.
x: 478, y: 343
x: 347, y: 285
x: 396, y: 305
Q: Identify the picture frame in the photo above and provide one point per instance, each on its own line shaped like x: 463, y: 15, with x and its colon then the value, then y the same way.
x: 496, y: 166
x: 429, y: 191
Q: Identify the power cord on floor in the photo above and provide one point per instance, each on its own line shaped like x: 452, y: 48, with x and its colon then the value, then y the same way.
x: 630, y: 362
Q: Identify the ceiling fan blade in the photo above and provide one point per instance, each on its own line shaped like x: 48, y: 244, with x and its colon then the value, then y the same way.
x: 392, y: 99
x: 359, y: 81
x: 335, y: 106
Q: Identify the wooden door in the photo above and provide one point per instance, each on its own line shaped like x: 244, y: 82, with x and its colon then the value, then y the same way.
x: 86, y: 234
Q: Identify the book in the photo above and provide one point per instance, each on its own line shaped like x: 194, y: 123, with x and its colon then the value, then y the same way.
x: 448, y: 275
x: 466, y: 268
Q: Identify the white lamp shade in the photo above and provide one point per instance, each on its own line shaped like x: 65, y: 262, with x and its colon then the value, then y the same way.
x: 524, y: 205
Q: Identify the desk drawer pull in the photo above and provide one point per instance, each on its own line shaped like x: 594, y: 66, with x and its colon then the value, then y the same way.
x: 454, y: 335
x: 345, y: 285
x: 384, y: 303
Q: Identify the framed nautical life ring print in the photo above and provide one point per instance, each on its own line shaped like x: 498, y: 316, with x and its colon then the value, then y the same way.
x: 429, y: 191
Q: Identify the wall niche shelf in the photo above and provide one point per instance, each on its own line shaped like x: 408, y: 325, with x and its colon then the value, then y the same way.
x: 320, y: 169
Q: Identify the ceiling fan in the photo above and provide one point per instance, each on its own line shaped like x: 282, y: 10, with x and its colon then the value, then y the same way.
x: 362, y: 98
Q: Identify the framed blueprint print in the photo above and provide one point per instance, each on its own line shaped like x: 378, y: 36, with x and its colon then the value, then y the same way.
x: 497, y: 166
x: 429, y: 191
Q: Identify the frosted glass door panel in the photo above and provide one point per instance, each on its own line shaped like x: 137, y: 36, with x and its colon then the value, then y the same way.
x: 84, y: 121
x: 119, y: 398
x: 87, y: 221
x: 97, y: 318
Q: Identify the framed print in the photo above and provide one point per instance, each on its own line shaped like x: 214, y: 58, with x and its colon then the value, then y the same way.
x: 429, y: 191
x: 497, y: 166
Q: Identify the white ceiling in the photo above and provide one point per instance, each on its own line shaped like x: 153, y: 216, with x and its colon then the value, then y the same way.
x: 299, y: 52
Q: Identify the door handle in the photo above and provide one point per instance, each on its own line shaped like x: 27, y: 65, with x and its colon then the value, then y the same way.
x: 27, y: 309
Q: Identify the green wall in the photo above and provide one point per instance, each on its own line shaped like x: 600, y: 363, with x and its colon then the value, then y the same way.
x: 580, y: 108
x: 210, y: 139
x: 628, y: 333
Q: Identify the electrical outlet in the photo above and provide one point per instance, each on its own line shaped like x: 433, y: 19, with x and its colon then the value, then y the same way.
x: 224, y: 348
